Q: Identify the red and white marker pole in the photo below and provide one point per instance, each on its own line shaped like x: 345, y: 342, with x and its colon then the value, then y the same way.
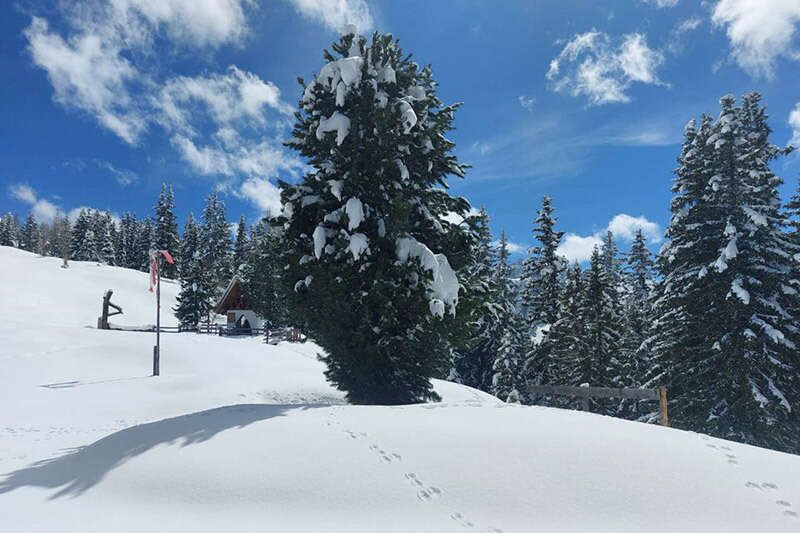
x: 155, y: 281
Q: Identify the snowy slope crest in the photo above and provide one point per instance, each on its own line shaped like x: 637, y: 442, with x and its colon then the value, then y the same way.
x: 236, y: 435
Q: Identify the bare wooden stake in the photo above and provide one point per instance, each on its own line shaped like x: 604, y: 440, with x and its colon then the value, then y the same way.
x: 662, y: 400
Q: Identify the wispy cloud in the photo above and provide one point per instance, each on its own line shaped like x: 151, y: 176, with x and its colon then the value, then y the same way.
x: 661, y: 3
x: 591, y: 64
x: 527, y: 102
x: 677, y: 36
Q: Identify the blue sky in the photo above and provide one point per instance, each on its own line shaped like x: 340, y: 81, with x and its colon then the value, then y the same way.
x: 584, y: 101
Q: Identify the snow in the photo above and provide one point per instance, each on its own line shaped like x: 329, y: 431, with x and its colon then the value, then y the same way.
x: 336, y: 188
x: 407, y: 116
x: 740, y: 292
x: 319, y: 237
x: 359, y: 243
x: 237, y: 435
x: 403, y: 169
x: 355, y: 213
x: 336, y: 122
x: 757, y: 218
x: 443, y: 289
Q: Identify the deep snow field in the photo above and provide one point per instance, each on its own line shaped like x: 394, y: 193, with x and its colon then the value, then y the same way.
x: 236, y: 435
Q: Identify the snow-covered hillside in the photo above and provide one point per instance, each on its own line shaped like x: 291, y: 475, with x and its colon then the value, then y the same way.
x: 241, y: 436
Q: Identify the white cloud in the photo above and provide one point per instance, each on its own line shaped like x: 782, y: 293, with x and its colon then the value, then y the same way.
x: 624, y: 227
x: 219, y: 123
x: 90, y: 69
x: 794, y: 122
x: 42, y: 210
x: 225, y: 98
x: 23, y: 192
x: 336, y: 13
x: 88, y: 74
x: 262, y: 193
x: 577, y: 248
x: 759, y: 32
x: 527, y: 102
x: 591, y: 65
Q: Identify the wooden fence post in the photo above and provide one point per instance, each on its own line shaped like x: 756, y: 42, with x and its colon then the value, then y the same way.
x: 662, y: 400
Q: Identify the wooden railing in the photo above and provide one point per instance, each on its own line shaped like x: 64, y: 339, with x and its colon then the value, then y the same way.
x: 586, y: 393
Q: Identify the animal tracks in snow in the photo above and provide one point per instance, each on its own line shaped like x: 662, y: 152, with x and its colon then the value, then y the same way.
x: 765, y: 487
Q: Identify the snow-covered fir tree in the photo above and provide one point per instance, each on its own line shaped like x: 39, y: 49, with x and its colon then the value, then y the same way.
x: 542, y: 273
x: 637, y: 299
x: 29, y: 236
x: 481, y: 307
x: 128, y: 251
x: 260, y: 274
x: 508, y: 381
x: 542, y: 270
x: 9, y: 230
x: 735, y: 374
x: 165, y: 230
x: 194, y: 298
x: 83, y: 241
x: 102, y: 233
x: 568, y: 337
x: 240, y: 247
x: 602, y: 329
x: 633, y: 357
x: 371, y: 259
x: 144, y: 243
x: 215, y: 239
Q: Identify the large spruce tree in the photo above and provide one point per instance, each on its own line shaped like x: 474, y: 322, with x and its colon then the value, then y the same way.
x: 734, y: 373
x: 370, y: 256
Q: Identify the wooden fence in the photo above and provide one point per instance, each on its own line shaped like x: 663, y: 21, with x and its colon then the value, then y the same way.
x: 586, y: 393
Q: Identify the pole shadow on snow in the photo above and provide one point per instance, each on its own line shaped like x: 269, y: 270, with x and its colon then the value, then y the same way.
x: 82, y: 468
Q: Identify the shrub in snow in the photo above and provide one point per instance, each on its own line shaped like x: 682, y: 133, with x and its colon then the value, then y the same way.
x: 371, y: 266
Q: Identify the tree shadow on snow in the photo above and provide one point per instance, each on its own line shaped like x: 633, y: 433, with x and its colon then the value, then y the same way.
x: 82, y: 468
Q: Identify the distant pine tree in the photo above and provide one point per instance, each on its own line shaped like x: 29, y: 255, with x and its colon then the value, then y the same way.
x: 482, y: 308
x: 260, y: 274
x: 165, y: 230
x: 83, y: 239
x: 194, y: 298
x: 570, y: 342
x: 215, y: 239
x: 542, y: 278
x: 144, y: 243
x: 128, y: 250
x: 29, y: 236
x: 508, y: 381
x: 240, y: 247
